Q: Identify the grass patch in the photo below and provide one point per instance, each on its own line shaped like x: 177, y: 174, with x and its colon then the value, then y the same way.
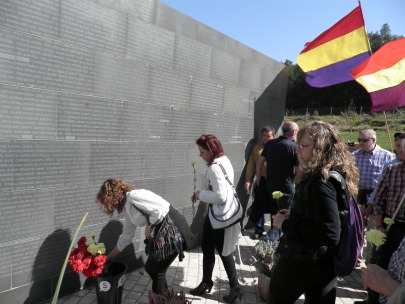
x: 350, y: 124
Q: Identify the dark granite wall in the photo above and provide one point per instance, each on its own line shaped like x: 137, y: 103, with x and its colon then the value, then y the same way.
x: 91, y: 90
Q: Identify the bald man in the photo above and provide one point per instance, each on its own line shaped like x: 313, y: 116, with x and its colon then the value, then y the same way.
x: 282, y: 163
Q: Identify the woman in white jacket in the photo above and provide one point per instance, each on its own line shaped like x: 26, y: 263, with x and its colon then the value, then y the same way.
x: 216, y: 193
x: 143, y: 208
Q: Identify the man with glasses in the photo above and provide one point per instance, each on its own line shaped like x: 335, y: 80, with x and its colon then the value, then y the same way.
x: 282, y: 161
x: 400, y: 153
x: 371, y: 167
x: 387, y: 203
x: 370, y: 160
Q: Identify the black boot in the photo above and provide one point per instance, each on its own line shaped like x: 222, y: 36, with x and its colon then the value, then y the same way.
x: 236, y: 292
x: 200, y: 289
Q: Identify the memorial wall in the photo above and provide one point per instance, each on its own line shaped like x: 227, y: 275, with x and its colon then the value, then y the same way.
x: 97, y: 89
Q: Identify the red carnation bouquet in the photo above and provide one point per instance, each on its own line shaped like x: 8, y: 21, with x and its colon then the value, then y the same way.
x: 89, y: 257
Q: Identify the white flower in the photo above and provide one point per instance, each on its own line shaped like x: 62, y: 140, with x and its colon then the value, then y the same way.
x: 375, y: 237
x: 277, y: 195
x: 389, y: 221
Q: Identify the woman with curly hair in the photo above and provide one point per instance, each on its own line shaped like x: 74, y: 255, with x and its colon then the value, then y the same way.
x: 312, y: 227
x: 145, y: 208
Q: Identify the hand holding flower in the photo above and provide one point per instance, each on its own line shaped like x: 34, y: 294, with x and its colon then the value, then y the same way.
x: 277, y: 195
x: 278, y: 219
x: 196, y: 196
x: 193, y: 197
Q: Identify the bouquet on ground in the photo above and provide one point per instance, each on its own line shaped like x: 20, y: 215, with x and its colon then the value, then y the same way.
x: 89, y: 257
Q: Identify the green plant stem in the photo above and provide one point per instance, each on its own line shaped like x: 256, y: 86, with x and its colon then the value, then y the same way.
x: 55, y: 296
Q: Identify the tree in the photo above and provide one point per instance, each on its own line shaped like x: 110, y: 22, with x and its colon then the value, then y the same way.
x: 301, y: 95
x: 380, y: 38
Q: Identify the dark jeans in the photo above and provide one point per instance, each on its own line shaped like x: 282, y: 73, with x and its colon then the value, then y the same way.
x: 261, y: 204
x: 214, y: 239
x: 362, y: 196
x: 290, y: 279
x: 157, y: 272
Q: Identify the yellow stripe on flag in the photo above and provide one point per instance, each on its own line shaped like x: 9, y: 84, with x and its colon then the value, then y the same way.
x: 382, y: 79
x: 342, y: 48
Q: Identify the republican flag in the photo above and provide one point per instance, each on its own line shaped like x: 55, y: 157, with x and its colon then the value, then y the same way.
x: 329, y: 59
x: 383, y: 76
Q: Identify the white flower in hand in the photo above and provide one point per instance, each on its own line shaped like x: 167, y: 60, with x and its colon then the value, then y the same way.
x: 375, y: 237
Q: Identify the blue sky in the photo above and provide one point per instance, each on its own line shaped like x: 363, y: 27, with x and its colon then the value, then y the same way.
x: 280, y: 28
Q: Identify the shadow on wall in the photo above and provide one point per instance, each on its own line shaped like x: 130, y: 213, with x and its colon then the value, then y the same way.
x: 198, y: 222
x: 47, y: 266
x: 109, y: 236
x: 269, y: 108
x: 268, y: 111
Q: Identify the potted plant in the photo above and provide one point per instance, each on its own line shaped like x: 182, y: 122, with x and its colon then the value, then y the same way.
x: 265, y: 258
x: 168, y: 297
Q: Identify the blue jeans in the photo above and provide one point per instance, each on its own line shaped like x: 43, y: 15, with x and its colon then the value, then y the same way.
x: 260, y: 225
x: 273, y: 235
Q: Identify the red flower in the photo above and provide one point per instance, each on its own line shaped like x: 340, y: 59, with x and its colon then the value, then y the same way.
x: 100, y: 260
x: 81, y: 260
x: 81, y: 243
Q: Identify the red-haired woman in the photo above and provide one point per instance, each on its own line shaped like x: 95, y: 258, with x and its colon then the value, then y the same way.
x: 217, y: 191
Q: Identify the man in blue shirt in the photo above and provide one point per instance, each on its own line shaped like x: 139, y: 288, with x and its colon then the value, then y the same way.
x: 370, y: 160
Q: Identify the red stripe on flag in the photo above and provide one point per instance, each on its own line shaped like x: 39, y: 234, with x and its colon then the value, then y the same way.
x: 347, y: 24
x: 385, y: 57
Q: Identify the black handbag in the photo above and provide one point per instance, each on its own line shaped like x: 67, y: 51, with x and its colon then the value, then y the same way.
x: 166, y: 237
x: 165, y: 240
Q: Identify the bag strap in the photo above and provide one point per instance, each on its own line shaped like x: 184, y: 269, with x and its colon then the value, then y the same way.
x: 143, y: 213
x: 226, y: 177
x: 343, y: 197
x: 234, y: 194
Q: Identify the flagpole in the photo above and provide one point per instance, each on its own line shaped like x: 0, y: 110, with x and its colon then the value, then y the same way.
x: 388, y: 131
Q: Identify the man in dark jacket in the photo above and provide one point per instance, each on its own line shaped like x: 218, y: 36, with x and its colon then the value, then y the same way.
x: 282, y: 163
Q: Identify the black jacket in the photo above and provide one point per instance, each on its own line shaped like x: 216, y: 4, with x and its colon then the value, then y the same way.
x: 312, y: 231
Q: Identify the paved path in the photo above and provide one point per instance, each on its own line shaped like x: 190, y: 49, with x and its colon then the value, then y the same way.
x: 187, y: 274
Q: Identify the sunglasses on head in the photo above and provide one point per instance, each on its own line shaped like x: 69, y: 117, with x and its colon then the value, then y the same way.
x: 364, y: 139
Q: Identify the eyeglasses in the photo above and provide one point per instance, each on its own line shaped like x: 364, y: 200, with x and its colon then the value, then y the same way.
x: 364, y: 139
x: 301, y: 147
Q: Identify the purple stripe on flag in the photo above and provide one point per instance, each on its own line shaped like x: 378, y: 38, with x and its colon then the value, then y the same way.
x: 335, y: 73
x: 388, y: 99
